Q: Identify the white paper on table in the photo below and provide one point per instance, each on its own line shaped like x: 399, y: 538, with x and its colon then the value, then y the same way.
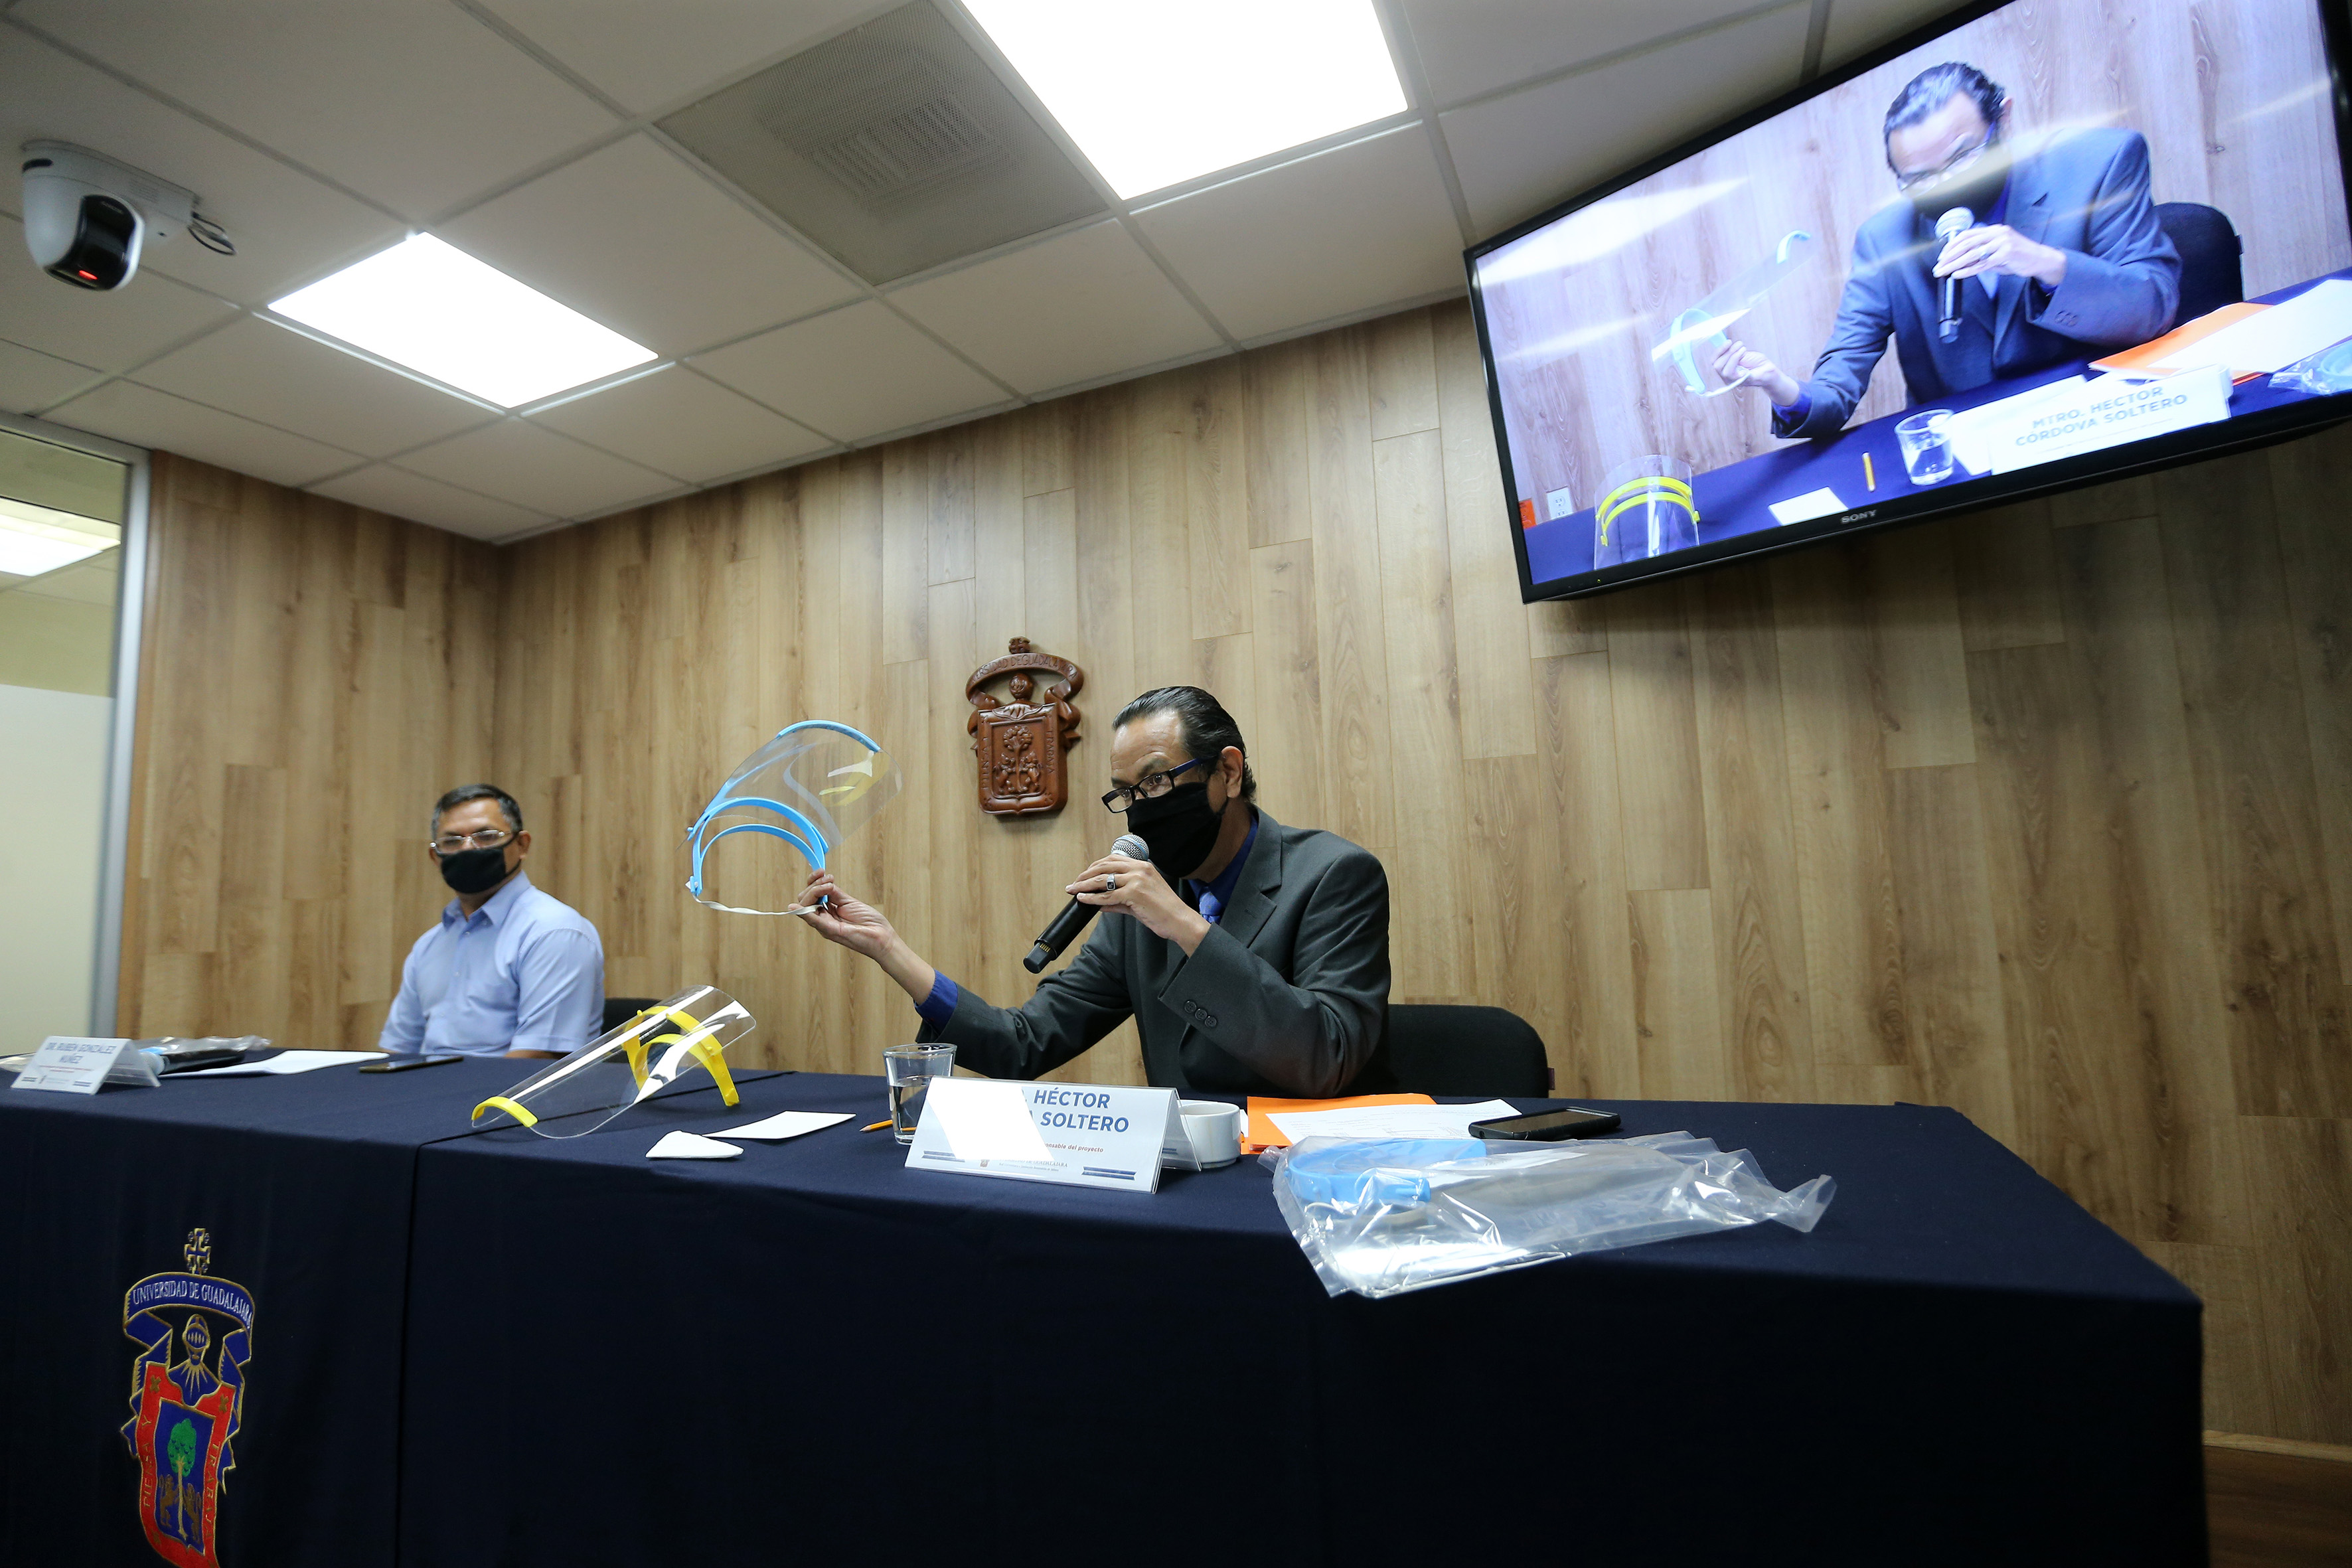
x: 690, y: 1146
x: 283, y: 1062
x: 784, y: 1124
x: 1389, y: 1120
x: 1805, y: 508
x: 2275, y: 338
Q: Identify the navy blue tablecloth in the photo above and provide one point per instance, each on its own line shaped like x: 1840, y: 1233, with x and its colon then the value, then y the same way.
x: 814, y: 1352
x: 302, y: 1185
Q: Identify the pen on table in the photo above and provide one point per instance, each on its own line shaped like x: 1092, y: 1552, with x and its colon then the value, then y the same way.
x: 876, y: 1126
x: 1869, y: 474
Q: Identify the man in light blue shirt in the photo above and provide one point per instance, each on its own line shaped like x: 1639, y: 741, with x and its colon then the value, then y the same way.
x: 508, y: 971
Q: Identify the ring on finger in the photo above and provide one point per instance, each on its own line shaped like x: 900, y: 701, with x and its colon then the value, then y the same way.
x: 1110, y: 884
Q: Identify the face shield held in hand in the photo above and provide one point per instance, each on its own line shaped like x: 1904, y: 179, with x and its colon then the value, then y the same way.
x: 573, y: 1096
x: 781, y: 812
x: 1707, y: 323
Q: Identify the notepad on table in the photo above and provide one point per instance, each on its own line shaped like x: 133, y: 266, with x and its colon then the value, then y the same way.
x: 1263, y: 1134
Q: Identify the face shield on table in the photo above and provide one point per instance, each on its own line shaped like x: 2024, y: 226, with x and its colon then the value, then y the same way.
x: 626, y: 1065
x: 781, y: 812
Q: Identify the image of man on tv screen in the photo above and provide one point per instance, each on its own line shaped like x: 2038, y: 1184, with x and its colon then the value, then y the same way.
x: 2057, y: 251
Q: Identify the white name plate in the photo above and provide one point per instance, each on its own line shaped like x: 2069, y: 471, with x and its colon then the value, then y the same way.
x: 1078, y: 1134
x: 75, y: 1064
x: 2087, y: 417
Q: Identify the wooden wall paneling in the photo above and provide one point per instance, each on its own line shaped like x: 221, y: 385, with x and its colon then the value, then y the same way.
x: 905, y: 548
x: 1214, y: 520
x: 947, y: 550
x: 1490, y: 643
x: 1424, y: 752
x: 1403, y: 360
x: 1831, y: 686
x: 1675, y: 1012
x: 1955, y: 1044
x: 1923, y: 682
x: 1049, y: 555
x: 1516, y: 901
x: 1661, y: 811
x: 2309, y: 480
x: 1107, y: 605
x: 1351, y: 647
x: 1559, y: 627
x: 1288, y: 755
x: 1596, y: 1048
x: 2304, y: 1239
x: 2005, y: 575
x: 2256, y: 789
x: 1759, y: 943
x: 1048, y: 437
x: 2273, y: 1504
x: 1276, y: 386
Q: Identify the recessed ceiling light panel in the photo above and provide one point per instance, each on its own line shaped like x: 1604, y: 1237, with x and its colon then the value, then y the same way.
x: 428, y: 306
x: 38, y: 539
x: 1155, y: 92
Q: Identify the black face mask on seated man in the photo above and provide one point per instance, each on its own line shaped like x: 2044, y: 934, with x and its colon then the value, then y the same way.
x: 1180, y: 828
x: 1976, y: 187
x: 475, y: 870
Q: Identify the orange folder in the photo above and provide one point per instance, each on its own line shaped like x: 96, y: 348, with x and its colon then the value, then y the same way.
x: 2156, y: 351
x: 1263, y: 1134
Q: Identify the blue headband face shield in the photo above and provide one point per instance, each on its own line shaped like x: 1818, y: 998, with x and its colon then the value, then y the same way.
x: 782, y: 812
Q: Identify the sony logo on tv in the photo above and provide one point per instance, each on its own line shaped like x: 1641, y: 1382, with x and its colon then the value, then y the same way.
x: 1863, y: 516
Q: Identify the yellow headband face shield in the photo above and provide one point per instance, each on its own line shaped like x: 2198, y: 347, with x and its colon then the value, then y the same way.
x: 625, y: 1066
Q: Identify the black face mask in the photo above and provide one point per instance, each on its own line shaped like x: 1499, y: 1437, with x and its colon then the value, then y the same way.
x: 1180, y: 828
x: 475, y: 870
x: 1976, y: 187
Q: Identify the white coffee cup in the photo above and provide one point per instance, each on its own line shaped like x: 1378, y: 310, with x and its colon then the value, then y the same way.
x: 1215, y: 1131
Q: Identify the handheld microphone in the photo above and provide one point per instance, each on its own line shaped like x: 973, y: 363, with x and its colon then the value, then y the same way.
x: 1075, y: 914
x: 1947, y: 325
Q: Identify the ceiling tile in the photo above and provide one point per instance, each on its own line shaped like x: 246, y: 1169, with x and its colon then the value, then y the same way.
x: 1078, y: 306
x: 412, y: 103
x: 30, y: 380
x: 632, y: 237
x: 1857, y: 26
x: 383, y: 488
x: 1348, y: 230
x: 852, y: 373
x: 287, y: 226
x: 1473, y: 46
x: 520, y: 462
x: 682, y: 424
x: 113, y: 331
x: 648, y: 56
x: 156, y: 419
x: 269, y: 373
x: 1520, y: 154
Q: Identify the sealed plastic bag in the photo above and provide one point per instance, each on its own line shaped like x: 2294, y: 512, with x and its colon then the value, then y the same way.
x: 1383, y: 1216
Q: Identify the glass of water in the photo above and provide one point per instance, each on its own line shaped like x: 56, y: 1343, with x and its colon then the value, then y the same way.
x: 911, y: 1070
x: 1927, y: 440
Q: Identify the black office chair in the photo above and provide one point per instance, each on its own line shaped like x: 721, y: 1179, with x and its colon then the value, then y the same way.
x: 1485, y: 1051
x: 619, y: 1010
x: 2212, y: 271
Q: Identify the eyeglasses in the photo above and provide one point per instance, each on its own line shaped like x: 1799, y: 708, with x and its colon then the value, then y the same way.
x: 1151, y: 786
x: 1958, y: 162
x: 488, y: 838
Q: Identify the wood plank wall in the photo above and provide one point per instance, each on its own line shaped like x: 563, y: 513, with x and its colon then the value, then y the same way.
x: 2042, y: 814
x: 312, y: 676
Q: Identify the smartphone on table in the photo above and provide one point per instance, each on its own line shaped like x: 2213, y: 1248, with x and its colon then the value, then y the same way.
x: 1547, y: 1126
x: 408, y: 1063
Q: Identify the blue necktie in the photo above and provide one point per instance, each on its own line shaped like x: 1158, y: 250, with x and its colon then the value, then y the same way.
x: 1211, y: 906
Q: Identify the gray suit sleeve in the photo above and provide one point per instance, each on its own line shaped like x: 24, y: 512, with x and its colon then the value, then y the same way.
x: 1857, y: 343
x: 2125, y: 290
x: 1072, y: 1008
x: 1313, y: 1032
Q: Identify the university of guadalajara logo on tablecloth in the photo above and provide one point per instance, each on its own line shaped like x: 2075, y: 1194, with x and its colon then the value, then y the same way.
x: 184, y: 1411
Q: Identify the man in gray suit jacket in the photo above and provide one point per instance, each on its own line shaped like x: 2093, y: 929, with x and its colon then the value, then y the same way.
x: 1253, y: 957
x: 2061, y: 259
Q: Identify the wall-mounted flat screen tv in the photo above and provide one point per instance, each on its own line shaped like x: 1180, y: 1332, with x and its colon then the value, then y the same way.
x: 2035, y: 245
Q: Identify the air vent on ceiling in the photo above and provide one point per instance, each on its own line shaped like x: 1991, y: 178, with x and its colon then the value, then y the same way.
x: 893, y: 145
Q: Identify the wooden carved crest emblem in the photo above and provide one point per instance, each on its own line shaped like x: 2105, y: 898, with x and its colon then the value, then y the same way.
x: 1024, y: 746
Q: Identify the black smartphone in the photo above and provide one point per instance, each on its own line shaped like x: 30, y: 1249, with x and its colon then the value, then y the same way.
x: 404, y: 1063
x: 1548, y: 1126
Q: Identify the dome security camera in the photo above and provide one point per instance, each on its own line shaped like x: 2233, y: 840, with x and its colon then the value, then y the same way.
x: 87, y: 217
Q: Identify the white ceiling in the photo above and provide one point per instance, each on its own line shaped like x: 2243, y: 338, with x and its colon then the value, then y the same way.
x: 522, y: 132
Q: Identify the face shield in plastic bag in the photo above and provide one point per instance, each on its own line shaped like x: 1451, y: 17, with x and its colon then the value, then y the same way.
x: 1382, y: 1216
x: 620, y: 1067
x: 781, y: 812
x: 1707, y: 324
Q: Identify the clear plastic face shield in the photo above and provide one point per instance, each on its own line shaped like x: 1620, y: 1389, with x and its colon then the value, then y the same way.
x: 782, y: 812
x: 620, y: 1067
x: 1707, y: 324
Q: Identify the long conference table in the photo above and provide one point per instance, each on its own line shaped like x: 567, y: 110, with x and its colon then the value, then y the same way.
x: 503, y: 1349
